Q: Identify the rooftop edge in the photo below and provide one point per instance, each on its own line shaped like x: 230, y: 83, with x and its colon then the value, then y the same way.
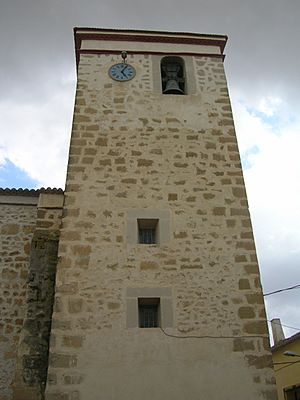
x: 29, y: 192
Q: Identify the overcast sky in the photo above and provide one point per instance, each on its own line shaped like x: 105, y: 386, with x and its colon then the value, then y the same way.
x: 37, y: 82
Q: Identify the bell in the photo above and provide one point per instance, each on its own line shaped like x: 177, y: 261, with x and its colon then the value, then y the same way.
x: 172, y: 87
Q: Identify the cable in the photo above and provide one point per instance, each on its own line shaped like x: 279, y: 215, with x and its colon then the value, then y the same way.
x: 285, y: 366
x: 211, y: 337
x: 282, y: 290
x: 285, y: 362
x: 286, y: 326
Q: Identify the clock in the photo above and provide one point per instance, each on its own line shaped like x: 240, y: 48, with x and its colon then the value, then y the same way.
x: 122, y: 72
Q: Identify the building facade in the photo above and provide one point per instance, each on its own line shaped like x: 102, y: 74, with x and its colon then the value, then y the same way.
x: 286, y: 359
x: 157, y: 291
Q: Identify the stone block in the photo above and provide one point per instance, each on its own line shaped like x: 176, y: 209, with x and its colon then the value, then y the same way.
x: 25, y: 393
x: 105, y: 162
x: 113, y: 306
x: 230, y: 223
x: 190, y: 154
x: 81, y: 250
x: 120, y: 160
x: 239, y: 212
x: 156, y: 151
x: 246, y: 312
x: 226, y: 181
x: 270, y: 394
x: 101, y: 142
x: 52, y: 378
x: 93, y: 127
x: 243, y: 345
x: 81, y: 118
x: 251, y: 269
x: 172, y: 196
x: 129, y: 180
x: 246, y: 235
x: 180, y: 235
x: 10, y: 229
x: 144, y: 163
x: 244, y: 284
x: 87, y: 160
x: 259, y: 362
x: 240, y: 258
x: 58, y: 396
x: 58, y: 360
x: 180, y: 165
x: 72, y: 341
x: 9, y: 274
x: 47, y: 200
x: 191, y: 199
x: 239, y: 192
x: 246, y: 245
x: 219, y: 211
x: 73, y: 187
x: 208, y: 196
x: 62, y: 325
x: 148, y: 265
x: 255, y: 298
x: 73, y: 379
x: 68, y: 288
x: 256, y: 328
x: 70, y: 235
x: 75, y: 305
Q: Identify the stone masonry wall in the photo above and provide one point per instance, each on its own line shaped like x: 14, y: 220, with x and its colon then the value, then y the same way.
x: 132, y: 148
x: 17, y: 223
x: 29, y: 227
x: 32, y: 363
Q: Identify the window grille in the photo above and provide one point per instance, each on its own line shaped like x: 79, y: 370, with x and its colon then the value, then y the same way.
x: 147, y: 231
x: 148, y: 313
x: 146, y: 236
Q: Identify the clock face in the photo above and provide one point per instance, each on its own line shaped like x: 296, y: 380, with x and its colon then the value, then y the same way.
x: 122, y: 72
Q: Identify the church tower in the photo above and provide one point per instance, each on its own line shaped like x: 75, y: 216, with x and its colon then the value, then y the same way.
x: 158, y: 293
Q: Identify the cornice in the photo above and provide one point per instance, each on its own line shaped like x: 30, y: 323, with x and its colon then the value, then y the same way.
x: 146, y: 37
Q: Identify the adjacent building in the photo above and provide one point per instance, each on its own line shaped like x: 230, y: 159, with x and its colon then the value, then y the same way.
x: 286, y: 359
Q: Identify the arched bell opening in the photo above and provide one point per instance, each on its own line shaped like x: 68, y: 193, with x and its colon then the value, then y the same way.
x: 172, y: 75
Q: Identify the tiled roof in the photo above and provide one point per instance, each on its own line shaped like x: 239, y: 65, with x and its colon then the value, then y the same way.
x: 286, y: 341
x: 29, y: 192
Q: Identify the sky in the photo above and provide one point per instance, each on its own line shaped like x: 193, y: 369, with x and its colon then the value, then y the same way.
x: 38, y: 81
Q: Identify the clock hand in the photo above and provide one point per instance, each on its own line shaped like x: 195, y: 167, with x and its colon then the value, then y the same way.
x: 124, y: 70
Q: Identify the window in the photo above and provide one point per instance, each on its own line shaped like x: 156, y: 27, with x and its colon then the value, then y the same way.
x: 149, y: 307
x: 149, y: 312
x: 188, y: 72
x: 292, y: 393
x: 148, y: 226
x: 172, y: 75
x: 147, y: 230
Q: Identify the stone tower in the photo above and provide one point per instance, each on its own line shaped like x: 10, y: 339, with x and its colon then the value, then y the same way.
x: 158, y: 293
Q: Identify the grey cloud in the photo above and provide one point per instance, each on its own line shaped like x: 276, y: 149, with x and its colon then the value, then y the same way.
x: 262, y: 48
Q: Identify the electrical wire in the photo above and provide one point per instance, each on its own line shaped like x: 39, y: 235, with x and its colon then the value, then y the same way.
x: 285, y: 366
x: 236, y: 337
x: 282, y: 290
x: 211, y: 337
x: 286, y: 326
x: 285, y: 362
x: 221, y: 337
